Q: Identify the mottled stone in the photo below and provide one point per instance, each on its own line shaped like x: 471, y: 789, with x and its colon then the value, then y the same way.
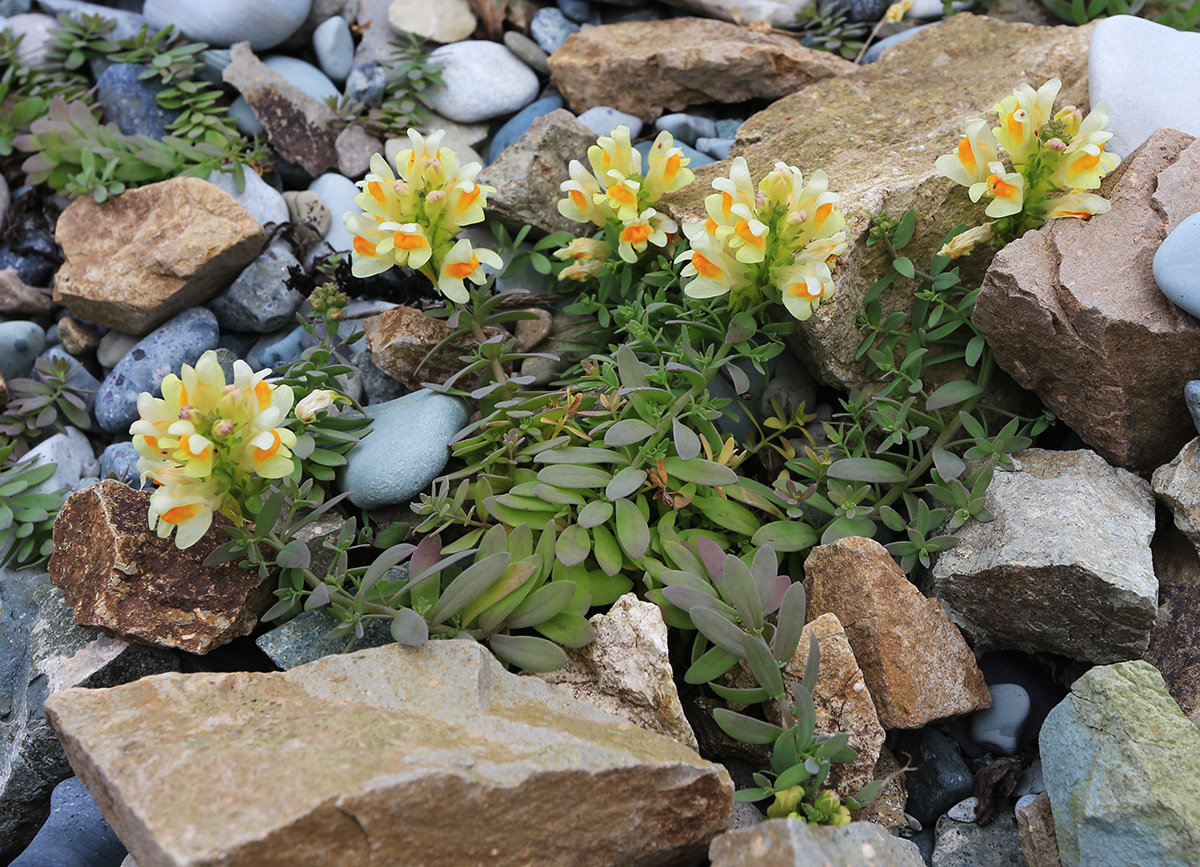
x: 792, y: 843
x: 77, y: 338
x: 962, y: 844
x: 18, y: 298
x: 401, y: 339
x: 1035, y: 829
x: 1178, y: 485
x: 355, y: 147
x: 1175, y: 641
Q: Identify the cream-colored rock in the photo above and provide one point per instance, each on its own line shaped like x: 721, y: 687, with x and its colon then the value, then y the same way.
x: 442, y: 21
x: 138, y: 259
x: 388, y: 756
x: 355, y: 147
x: 402, y: 339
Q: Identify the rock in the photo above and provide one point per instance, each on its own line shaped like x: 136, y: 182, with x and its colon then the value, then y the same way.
x: 303, y: 75
x: 1174, y: 643
x: 935, y: 81
x: 550, y: 29
x: 1081, y: 297
x: 517, y: 125
x: 915, y: 663
x: 4, y: 195
x: 75, y: 833
x: 964, y: 810
x: 464, y: 133
x: 306, y: 206
x: 165, y: 350
x: 114, y: 346
x: 334, y: 47
x: 787, y: 842
x: 282, y: 351
x: 130, y: 102
x: 71, y: 453
x: 337, y: 192
x: 579, y: 11
x: 625, y: 670
x: 645, y: 67
x: 366, y: 84
x: 78, y: 338
x: 30, y: 268
x: 961, y: 844
x: 999, y: 726
x: 119, y: 577
x: 1191, y: 396
x: 119, y: 461
x: 686, y: 128
x: 530, y: 53
x: 433, y: 730
x: 1083, y: 587
x: 527, y: 175
x: 142, y: 257
x: 355, y: 147
x: 877, y: 49
x: 400, y: 339
x: 530, y: 332
x: 37, y: 35
x: 1168, y: 62
x: 17, y: 298
x: 1035, y: 829
x: 297, y: 123
x: 889, y: 805
x: 1175, y: 265
x: 602, y: 120
x: 718, y: 148
x: 1122, y: 767
x: 406, y: 449
x: 480, y: 80
x: 377, y: 385
x: 223, y: 22
x: 42, y: 651
x: 21, y: 342
x: 444, y: 21
x: 262, y: 200
x: 126, y: 23
x: 302, y: 639
x: 940, y: 777
x: 1175, y: 484
x: 259, y: 299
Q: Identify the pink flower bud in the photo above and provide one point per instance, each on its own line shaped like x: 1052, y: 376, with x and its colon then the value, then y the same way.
x: 434, y: 165
x: 435, y: 196
x: 223, y: 427
x: 1056, y: 144
x: 400, y: 187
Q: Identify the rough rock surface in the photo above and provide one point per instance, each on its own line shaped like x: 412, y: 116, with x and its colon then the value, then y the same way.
x: 915, y: 662
x: 118, y: 576
x: 1072, y: 311
x: 1122, y: 767
x: 876, y: 133
x: 995, y: 844
x: 644, y: 67
x: 1065, y: 567
x: 1178, y: 485
x: 297, y: 123
x: 400, y: 339
x: 1175, y: 642
x: 791, y: 842
x: 18, y: 299
x: 43, y: 651
x: 357, y: 757
x: 626, y: 671
x: 527, y: 175
x: 1035, y: 829
x: 888, y: 808
x: 138, y: 259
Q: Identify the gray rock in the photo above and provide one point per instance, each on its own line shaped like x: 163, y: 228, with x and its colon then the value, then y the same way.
x: 75, y: 833
x: 334, y: 47
x: 280, y: 350
x: 529, y: 51
x: 877, y: 49
x: 377, y: 385
x: 517, y: 125
x: 579, y: 11
x: 4, y: 197
x: 1065, y: 567
x: 406, y: 449
x: 999, y: 726
x: 792, y: 842
x: 71, y: 452
x: 355, y: 147
x: 961, y: 844
x: 303, y: 639
x: 337, y: 192
x: 263, y: 201
x: 221, y: 23
x: 1191, y: 395
x: 130, y: 101
x: 687, y: 127
x: 303, y: 75
x: 21, y: 342
x: 178, y: 341
x: 1175, y: 265
x: 481, y: 80
x: 114, y: 345
x: 259, y: 299
x: 119, y: 461
x: 964, y: 810
x: 941, y: 777
x: 126, y: 24
x: 36, y: 31
x: 1148, y: 74
x: 550, y: 28
x: 1122, y: 766
x: 602, y: 120
x: 366, y: 84
x: 376, y: 43
x: 715, y: 147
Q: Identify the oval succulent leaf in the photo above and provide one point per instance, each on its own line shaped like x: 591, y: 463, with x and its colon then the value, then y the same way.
x: 473, y: 581
x: 595, y: 513
x: 628, y: 432
x: 632, y: 531
x: 409, y: 627
x: 742, y: 592
x: 719, y: 630
x: 700, y: 471
x: 528, y: 652
x: 573, y: 545
x: 542, y: 604
x: 687, y: 443
x: 789, y: 625
x: 624, y: 483
x: 574, y: 476
x: 687, y: 598
x: 866, y: 470
x: 746, y: 729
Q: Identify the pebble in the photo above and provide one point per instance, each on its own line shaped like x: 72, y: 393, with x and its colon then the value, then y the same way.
x: 528, y: 50
x: 579, y: 11
x: 519, y: 124
x: 71, y: 453
x: 334, y: 47
x: 176, y: 342
x: 687, y: 127
x: 961, y: 844
x: 221, y: 23
x: 37, y: 31
x: 305, y: 206
x: 858, y: 10
x: 728, y: 127
x: 714, y: 147
x: 964, y: 810
x: 602, y: 120
x: 126, y: 24
x: 78, y: 377
x: 114, y: 346
x: 366, y: 84
x: 3, y: 188
x: 303, y: 639
x: 337, y: 192
x: 1147, y: 74
x: 78, y: 338
x: 1191, y: 394
x: 75, y: 833
x: 481, y: 80
x: 999, y: 727
x: 443, y: 21
x: 406, y: 449
x: 130, y: 101
x: 550, y: 28
x: 283, y: 351
x: 21, y: 342
x: 1023, y: 802
x: 378, y: 386
x: 689, y: 152
x: 119, y: 461
x: 1177, y: 264
x: 303, y: 75
x: 263, y: 201
x: 1032, y: 782
x: 878, y: 48
x: 941, y: 778
x: 650, y: 12
x: 259, y: 299
x: 33, y: 269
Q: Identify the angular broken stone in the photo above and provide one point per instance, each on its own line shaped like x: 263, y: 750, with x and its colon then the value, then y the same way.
x: 18, y: 298
x: 1178, y: 485
x: 1035, y: 828
x: 358, y: 757
x: 400, y: 341
x: 297, y: 123
x: 527, y: 175
x: 78, y: 338
x: 1073, y: 313
x: 626, y: 670
x: 888, y: 808
x: 1175, y: 642
x: 119, y: 577
x: 644, y: 67
x: 792, y: 843
x: 141, y: 257
x: 914, y: 660
x: 1066, y: 566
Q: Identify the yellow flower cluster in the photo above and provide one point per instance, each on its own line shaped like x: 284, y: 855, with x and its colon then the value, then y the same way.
x: 616, y: 194
x: 208, y: 445
x: 1056, y: 159
x: 413, y: 219
x: 778, y: 239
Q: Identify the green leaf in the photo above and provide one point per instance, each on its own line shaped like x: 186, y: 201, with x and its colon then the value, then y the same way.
x: 763, y: 665
x: 789, y: 623
x: 700, y: 471
x: 687, y: 444
x: 866, y: 470
x: 745, y: 728
x: 627, y: 481
x: 579, y: 455
x: 904, y: 231
x: 294, y: 555
x: 607, y: 551
x: 740, y: 696
x: 728, y: 515
x: 566, y: 628
x: 528, y: 652
x: 409, y: 627
x: 845, y: 527
x: 719, y: 630
x: 573, y: 545
x: 595, y: 513
x: 785, y: 536
x: 687, y: 598
x: 904, y: 266
x: 711, y: 665
x: 632, y: 531
x: 542, y: 604
x: 630, y: 369
x: 749, y: 796
x: 742, y: 591
x: 628, y: 432
x: 949, y: 465
x: 474, y: 580
x: 974, y: 350
x: 574, y: 476
x: 951, y: 393
x: 607, y: 589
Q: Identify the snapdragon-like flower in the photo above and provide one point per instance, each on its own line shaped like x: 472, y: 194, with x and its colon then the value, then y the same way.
x: 411, y: 216
x: 210, y: 445
x: 777, y: 240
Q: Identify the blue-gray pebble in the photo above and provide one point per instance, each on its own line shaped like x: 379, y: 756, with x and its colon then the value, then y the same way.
x: 687, y: 127
x: 602, y: 120
x: 21, y: 342
x: 75, y: 833
x: 131, y: 101
x: 259, y: 299
x: 78, y: 376
x: 165, y: 350
x: 579, y: 11
x: 718, y: 148
x: 366, y: 84
x: 1177, y: 265
x: 334, y: 47
x: 480, y: 80
x: 999, y: 727
x: 119, y: 461
x: 406, y: 449
x: 1191, y: 394
x: 550, y: 28
x: 517, y: 125
x: 283, y: 351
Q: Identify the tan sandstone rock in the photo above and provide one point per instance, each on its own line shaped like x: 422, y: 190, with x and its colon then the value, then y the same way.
x: 140, y: 258
x: 400, y: 341
x: 1035, y: 826
x: 915, y: 662
x: 877, y: 133
x: 119, y: 577
x: 18, y: 298
x: 389, y: 756
x: 1072, y: 311
x: 644, y: 67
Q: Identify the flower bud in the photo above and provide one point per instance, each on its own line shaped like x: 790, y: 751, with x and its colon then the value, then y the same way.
x: 314, y: 402
x: 435, y: 196
x: 400, y: 187
x: 1056, y: 144
x: 223, y: 427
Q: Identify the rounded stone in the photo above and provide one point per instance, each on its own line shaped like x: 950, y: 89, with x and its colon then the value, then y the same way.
x: 407, y: 448
x: 259, y: 299
x: 999, y: 726
x: 75, y: 833
x: 550, y: 28
x: 114, y: 345
x: 1177, y: 265
x: 964, y: 810
x: 715, y: 147
x: 71, y: 454
x: 1191, y: 396
x: 303, y: 75
x: 334, y: 47
x: 517, y: 125
x: 337, y: 192
x: 37, y: 32
x: 528, y: 50
x: 262, y: 200
x: 305, y: 206
x: 366, y: 83
x: 443, y: 21
x: 687, y: 127
x: 131, y: 102
x: 602, y: 120
x: 221, y: 23
x: 119, y: 461
x: 481, y: 80
x: 165, y: 350
x: 21, y: 342
x: 283, y: 351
